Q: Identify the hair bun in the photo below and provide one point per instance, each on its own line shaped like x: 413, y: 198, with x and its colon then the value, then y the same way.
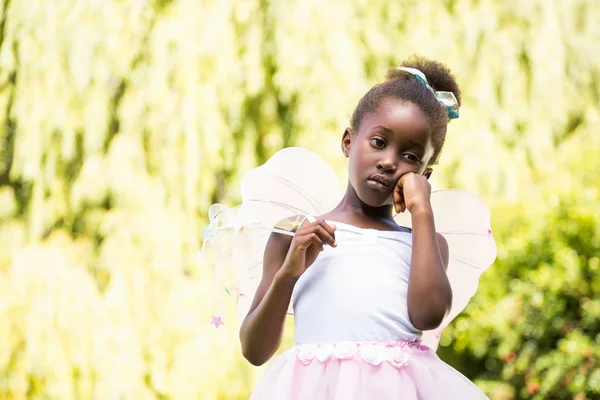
x: 438, y: 75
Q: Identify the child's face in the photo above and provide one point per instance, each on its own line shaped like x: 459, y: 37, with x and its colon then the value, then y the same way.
x: 391, y: 142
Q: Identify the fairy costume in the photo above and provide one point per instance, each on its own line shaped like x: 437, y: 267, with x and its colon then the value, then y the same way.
x: 354, y: 338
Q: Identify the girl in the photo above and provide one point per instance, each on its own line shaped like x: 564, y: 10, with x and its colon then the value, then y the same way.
x: 365, y: 288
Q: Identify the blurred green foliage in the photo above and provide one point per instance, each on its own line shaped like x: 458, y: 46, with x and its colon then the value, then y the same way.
x: 533, y: 331
x: 122, y: 121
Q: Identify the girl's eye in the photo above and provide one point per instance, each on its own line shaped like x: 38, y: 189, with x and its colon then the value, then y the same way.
x: 411, y: 157
x: 377, y: 142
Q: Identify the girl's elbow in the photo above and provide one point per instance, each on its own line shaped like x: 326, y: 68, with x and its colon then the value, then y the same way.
x: 252, y: 358
x: 428, y: 323
x: 251, y: 353
x: 434, y: 316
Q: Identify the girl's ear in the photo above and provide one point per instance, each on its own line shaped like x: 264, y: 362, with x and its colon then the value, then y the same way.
x: 346, y: 142
x: 428, y: 173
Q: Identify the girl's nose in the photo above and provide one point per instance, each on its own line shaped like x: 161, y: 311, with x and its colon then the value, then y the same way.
x: 387, y: 165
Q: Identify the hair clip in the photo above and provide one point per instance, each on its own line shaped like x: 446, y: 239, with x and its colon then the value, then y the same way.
x: 446, y: 99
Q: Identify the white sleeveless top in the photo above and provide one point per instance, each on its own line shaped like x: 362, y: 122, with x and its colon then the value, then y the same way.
x: 356, y: 291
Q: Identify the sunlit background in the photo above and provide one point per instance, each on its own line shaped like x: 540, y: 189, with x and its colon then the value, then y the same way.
x: 123, y: 120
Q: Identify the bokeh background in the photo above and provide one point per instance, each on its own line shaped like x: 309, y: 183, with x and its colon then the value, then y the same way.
x: 123, y: 120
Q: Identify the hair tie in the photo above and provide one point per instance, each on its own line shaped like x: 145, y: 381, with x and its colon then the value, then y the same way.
x: 446, y: 99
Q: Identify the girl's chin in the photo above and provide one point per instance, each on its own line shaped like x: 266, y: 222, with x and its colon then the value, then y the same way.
x: 371, y: 201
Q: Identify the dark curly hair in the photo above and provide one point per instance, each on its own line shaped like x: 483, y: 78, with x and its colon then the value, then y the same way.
x: 401, y: 85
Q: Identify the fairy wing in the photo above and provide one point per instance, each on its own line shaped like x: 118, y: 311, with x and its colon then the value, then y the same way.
x: 293, y: 182
x: 464, y: 220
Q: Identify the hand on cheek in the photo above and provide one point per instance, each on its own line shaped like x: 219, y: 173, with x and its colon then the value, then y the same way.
x: 411, y: 192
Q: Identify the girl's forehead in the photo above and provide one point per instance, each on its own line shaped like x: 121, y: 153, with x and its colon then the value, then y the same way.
x: 400, y: 118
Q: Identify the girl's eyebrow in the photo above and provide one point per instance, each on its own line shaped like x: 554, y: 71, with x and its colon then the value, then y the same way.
x: 416, y: 144
x: 383, y: 128
x: 389, y: 131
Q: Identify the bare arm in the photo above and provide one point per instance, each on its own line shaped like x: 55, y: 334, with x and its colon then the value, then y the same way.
x: 429, y: 291
x: 262, y: 329
x: 285, y: 260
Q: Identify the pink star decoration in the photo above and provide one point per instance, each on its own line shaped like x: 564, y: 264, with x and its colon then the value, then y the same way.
x: 237, y: 290
x: 217, y: 321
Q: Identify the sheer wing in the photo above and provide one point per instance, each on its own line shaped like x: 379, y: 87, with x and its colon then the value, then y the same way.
x: 464, y: 220
x: 293, y: 182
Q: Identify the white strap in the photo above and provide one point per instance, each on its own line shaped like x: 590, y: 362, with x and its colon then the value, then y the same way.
x: 308, y: 218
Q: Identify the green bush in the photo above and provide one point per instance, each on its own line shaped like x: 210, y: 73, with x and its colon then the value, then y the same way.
x: 533, y: 330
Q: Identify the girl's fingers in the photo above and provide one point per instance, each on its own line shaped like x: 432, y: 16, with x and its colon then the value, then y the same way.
x: 325, y: 236
x: 316, y: 240
x: 322, y: 232
x: 329, y: 228
x: 398, y: 199
x: 399, y: 194
x: 396, y: 195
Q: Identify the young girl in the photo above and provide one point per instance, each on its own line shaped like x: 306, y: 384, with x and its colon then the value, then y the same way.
x: 364, y: 288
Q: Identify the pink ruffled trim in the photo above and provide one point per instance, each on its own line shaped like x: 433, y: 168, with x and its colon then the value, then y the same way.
x: 395, y: 353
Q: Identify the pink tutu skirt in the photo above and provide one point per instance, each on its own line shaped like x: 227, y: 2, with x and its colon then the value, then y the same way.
x: 363, y: 371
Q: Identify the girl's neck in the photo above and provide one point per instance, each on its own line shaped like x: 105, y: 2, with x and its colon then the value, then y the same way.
x: 352, y: 207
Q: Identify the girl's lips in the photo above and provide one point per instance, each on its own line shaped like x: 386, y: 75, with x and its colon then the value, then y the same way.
x: 379, y: 180
x: 376, y: 184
